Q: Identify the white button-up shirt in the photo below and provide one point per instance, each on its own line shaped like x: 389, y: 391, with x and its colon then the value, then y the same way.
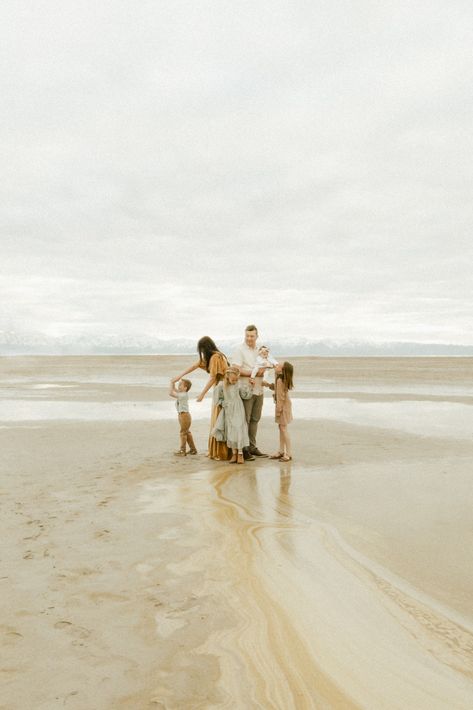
x: 245, y: 357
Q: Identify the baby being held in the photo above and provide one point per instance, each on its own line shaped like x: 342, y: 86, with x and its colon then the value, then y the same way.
x: 263, y: 359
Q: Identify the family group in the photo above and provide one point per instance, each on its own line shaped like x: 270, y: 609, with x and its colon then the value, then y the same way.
x: 237, y: 399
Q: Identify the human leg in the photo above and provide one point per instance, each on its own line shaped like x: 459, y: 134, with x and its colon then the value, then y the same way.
x: 285, y: 441
x: 185, y: 422
x: 248, y: 405
x: 190, y: 438
x: 217, y: 450
x: 255, y: 417
x: 282, y: 440
x: 190, y: 441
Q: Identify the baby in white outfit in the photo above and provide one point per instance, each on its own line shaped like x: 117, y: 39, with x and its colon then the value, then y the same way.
x: 263, y: 359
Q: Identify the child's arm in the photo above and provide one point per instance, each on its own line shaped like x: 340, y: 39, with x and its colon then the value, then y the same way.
x: 219, y: 395
x: 172, y: 389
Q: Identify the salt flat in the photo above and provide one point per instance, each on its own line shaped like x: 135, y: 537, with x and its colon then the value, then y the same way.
x: 133, y: 579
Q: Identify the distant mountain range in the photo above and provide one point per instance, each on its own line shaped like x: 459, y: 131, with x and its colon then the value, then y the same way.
x: 14, y: 343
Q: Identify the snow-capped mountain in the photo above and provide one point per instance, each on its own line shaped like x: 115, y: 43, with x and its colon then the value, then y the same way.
x: 15, y: 343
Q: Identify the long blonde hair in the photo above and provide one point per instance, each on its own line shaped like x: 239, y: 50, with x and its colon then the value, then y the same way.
x: 229, y: 370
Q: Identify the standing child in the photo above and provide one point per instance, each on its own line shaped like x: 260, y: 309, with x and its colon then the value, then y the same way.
x: 283, y: 416
x: 231, y: 425
x: 183, y: 415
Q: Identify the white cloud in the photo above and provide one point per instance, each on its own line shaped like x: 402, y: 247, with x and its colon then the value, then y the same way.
x: 191, y: 166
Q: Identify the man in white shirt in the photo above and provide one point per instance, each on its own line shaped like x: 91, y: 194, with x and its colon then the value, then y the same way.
x: 245, y: 359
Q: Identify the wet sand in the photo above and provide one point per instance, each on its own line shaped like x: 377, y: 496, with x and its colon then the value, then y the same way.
x: 134, y: 579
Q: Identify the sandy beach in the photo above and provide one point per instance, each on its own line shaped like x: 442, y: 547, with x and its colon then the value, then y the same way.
x: 133, y: 579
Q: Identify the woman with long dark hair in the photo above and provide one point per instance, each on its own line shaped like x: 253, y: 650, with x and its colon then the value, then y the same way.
x: 213, y: 361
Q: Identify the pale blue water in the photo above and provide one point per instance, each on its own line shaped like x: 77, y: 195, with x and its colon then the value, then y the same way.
x: 425, y: 418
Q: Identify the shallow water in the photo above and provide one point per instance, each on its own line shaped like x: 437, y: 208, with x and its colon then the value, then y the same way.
x: 426, y: 418
x: 303, y: 384
x: 340, y: 580
x: 362, y: 635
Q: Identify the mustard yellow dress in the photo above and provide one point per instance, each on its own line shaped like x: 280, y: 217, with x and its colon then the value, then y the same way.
x: 217, y: 366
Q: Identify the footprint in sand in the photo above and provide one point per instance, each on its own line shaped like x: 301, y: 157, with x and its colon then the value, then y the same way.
x: 69, y: 695
x: 78, y: 632
x: 102, y: 534
x: 10, y: 635
x: 105, y: 501
x: 74, y: 574
x: 99, y: 597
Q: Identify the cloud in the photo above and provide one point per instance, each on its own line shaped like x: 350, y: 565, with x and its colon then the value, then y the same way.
x: 191, y: 166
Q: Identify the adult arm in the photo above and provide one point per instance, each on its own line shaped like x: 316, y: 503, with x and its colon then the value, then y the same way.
x: 244, y: 371
x: 211, y: 381
x: 193, y: 367
x: 217, y: 367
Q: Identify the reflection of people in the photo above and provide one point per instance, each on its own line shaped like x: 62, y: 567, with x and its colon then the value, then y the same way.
x: 283, y: 405
x: 215, y: 363
x: 245, y: 359
x: 263, y: 360
x: 284, y: 482
x: 231, y: 424
x: 183, y: 415
x: 284, y: 508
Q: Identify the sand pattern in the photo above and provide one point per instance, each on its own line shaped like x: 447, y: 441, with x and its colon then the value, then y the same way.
x: 131, y: 579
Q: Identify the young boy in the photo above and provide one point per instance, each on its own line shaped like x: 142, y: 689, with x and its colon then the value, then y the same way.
x: 182, y: 406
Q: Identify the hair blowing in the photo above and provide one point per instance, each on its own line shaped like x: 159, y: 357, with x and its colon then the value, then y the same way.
x: 287, y: 375
x: 206, y: 348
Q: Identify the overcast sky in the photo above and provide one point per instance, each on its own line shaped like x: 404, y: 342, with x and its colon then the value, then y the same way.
x: 183, y: 168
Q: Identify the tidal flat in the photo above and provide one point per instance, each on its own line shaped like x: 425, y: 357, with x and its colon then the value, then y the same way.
x: 133, y: 579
